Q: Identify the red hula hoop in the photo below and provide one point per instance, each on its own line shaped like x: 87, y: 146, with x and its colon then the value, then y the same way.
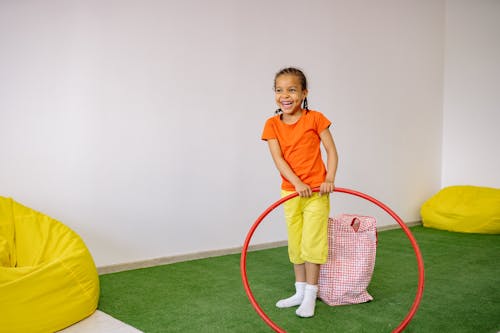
x: 418, y: 254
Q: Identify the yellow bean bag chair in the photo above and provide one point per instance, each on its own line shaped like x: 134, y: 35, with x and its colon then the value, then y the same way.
x: 471, y: 209
x: 48, y: 279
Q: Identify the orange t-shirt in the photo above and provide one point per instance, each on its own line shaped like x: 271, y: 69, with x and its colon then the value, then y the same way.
x: 300, y: 145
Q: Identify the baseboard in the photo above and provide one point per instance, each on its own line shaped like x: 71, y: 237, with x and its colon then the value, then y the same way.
x: 396, y: 226
x: 207, y: 254
x: 184, y: 257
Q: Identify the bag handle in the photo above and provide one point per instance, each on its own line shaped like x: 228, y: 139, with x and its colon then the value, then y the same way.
x: 355, y: 224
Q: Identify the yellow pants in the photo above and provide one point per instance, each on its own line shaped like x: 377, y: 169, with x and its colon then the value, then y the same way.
x: 307, y: 224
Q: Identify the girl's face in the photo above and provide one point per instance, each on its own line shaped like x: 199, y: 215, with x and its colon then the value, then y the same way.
x: 289, y: 94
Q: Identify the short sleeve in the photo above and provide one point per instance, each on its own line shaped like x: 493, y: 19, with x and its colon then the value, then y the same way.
x: 269, y: 130
x: 322, y: 122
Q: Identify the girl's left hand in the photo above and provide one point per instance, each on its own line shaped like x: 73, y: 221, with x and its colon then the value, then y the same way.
x: 326, y: 187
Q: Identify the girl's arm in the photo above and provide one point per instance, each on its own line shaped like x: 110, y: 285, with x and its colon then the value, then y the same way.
x: 286, y: 171
x: 331, y: 161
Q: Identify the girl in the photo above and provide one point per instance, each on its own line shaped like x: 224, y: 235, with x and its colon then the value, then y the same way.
x: 294, y: 137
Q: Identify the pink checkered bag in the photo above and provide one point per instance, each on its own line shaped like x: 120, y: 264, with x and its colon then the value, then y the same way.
x: 344, y: 278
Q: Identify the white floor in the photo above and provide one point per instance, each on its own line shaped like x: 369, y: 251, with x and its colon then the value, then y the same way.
x: 100, y: 322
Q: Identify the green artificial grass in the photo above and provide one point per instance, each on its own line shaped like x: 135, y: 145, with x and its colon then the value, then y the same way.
x: 461, y: 293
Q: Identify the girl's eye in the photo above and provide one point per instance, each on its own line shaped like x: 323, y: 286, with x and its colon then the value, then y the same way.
x: 292, y: 90
x: 277, y: 90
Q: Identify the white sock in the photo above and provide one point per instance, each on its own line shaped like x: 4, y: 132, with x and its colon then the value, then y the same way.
x: 294, y: 300
x: 306, y: 308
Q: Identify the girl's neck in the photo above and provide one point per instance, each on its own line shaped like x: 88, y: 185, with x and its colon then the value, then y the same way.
x: 291, y: 119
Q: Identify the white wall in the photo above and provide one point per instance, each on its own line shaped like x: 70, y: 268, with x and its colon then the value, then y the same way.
x: 137, y: 123
x: 471, y: 132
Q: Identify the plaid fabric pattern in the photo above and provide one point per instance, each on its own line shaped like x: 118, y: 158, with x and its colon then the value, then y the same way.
x: 344, y: 278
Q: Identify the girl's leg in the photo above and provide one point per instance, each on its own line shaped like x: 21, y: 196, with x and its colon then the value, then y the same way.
x: 306, y: 282
x: 315, y: 248
x: 293, y: 215
x: 300, y: 272
x: 300, y: 284
x: 306, y: 308
x: 312, y: 273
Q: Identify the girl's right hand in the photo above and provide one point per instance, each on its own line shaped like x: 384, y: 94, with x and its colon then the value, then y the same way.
x: 303, y: 190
